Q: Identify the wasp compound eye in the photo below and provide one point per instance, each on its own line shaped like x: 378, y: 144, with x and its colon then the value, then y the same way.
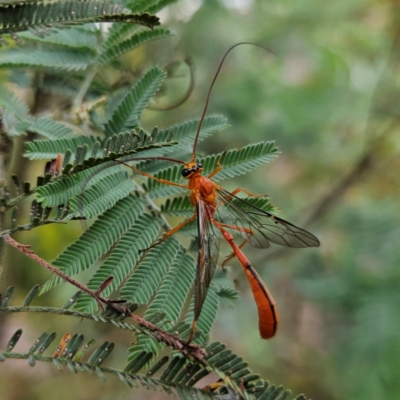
x: 186, y: 172
x: 199, y: 165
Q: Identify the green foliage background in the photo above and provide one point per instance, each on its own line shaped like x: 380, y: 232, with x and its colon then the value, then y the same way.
x: 329, y: 99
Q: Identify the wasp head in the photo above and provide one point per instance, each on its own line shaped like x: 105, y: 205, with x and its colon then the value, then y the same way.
x: 191, y: 168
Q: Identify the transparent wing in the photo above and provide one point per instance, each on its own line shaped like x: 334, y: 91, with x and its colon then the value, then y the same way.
x: 259, y: 227
x: 207, y: 255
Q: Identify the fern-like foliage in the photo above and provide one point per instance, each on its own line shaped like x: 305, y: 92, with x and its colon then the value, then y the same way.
x: 145, y: 281
x: 98, y: 239
x: 112, y: 49
x: 80, y: 49
x: 97, y: 135
x: 150, y: 6
x: 176, y: 374
x: 123, y: 259
x: 31, y: 15
x: 77, y: 39
x: 234, y: 163
x: 62, y: 60
x: 126, y: 115
x: 48, y: 149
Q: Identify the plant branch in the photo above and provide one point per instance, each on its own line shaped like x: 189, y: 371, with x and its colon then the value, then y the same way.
x: 146, y: 381
x: 5, y: 151
x: 65, y: 311
x: 84, y: 88
x: 188, y: 349
x: 29, y: 227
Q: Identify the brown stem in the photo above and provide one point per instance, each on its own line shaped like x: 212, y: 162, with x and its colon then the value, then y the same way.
x: 157, y: 333
x: 5, y: 151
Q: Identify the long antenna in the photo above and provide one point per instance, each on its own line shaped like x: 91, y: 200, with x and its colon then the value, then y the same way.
x: 211, y: 87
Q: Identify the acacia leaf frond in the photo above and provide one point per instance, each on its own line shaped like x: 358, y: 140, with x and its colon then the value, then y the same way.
x: 176, y: 373
x: 150, y: 6
x: 145, y: 279
x: 61, y: 191
x: 51, y: 129
x: 57, y: 59
x: 74, y: 38
x: 10, y: 102
x: 240, y: 161
x: 185, y: 132
x: 169, y: 299
x: 127, y: 113
x: 97, y: 239
x: 234, y: 163
x: 49, y: 149
x: 178, y: 206
x: 109, y: 53
x: 123, y: 259
x: 208, y: 311
x: 74, y: 12
x: 174, y: 289
x: 100, y: 197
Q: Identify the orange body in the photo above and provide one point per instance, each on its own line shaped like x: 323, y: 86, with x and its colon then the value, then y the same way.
x: 204, y: 189
x: 266, y: 305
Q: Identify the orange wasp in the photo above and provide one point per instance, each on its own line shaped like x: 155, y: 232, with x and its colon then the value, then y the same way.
x: 219, y: 212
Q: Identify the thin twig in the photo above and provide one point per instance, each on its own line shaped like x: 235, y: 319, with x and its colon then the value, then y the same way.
x: 5, y: 151
x: 29, y: 227
x: 84, y: 88
x: 25, y: 249
x: 157, y: 333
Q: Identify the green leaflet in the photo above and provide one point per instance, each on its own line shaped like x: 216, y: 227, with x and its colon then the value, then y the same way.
x: 156, y: 189
x: 178, y: 206
x: 48, y: 149
x: 234, y: 162
x: 101, y: 197
x: 51, y: 129
x: 169, y: 299
x: 109, y: 53
x: 127, y: 113
x: 38, y: 15
x: 185, y: 132
x: 13, y: 104
x: 172, y: 293
x: 238, y: 162
x: 59, y: 59
x: 220, y: 289
x: 122, y: 260
x: 61, y: 191
x: 209, y: 310
x: 146, y: 279
x: 15, y: 127
x: 97, y: 240
x: 145, y: 343
x: 73, y: 38
x: 150, y: 6
x: 117, y: 34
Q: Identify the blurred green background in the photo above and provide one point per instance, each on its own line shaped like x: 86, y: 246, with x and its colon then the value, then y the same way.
x: 329, y: 98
